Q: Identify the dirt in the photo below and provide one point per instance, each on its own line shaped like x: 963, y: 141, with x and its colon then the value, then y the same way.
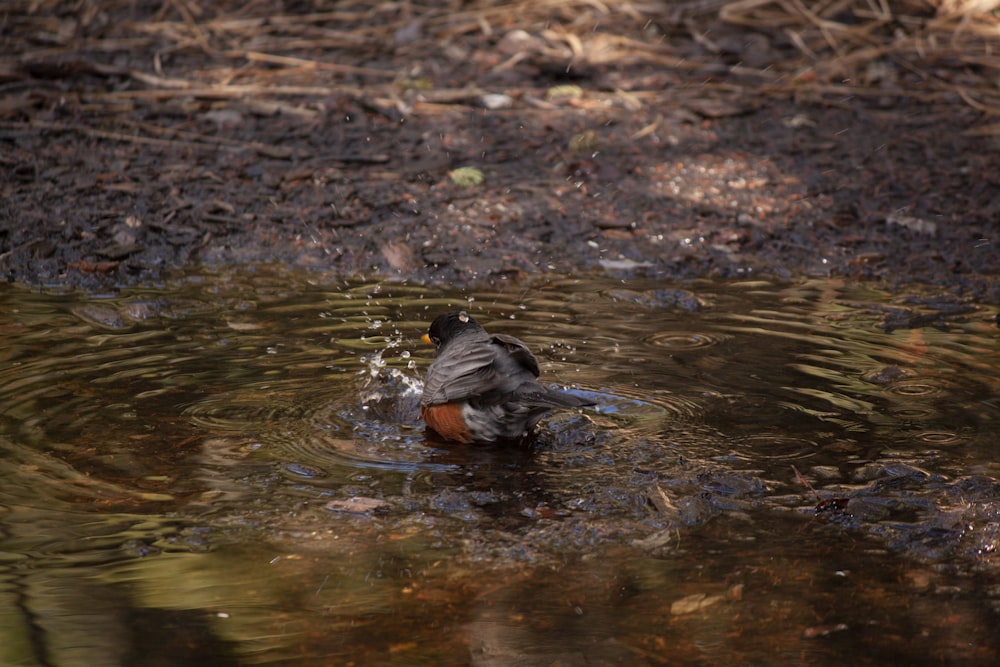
x: 137, y: 139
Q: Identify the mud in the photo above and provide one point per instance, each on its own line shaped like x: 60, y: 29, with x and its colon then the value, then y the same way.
x: 127, y: 152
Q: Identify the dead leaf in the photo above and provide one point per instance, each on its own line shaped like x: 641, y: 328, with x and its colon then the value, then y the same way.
x: 358, y: 505
x: 399, y: 256
x: 693, y: 603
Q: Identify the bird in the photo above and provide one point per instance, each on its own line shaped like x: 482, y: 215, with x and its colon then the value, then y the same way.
x: 483, y: 387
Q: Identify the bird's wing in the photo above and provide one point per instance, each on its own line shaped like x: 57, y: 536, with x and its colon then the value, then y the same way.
x: 519, y: 353
x: 496, y: 368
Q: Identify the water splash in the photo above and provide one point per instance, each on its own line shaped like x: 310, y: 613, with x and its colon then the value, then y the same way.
x: 389, y: 394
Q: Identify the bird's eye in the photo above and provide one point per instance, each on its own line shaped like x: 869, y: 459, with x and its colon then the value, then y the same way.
x: 463, y: 316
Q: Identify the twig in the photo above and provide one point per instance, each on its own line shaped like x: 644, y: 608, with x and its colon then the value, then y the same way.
x: 257, y: 56
x: 195, y: 141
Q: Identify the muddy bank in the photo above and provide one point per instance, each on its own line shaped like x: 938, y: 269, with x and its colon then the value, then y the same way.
x: 136, y: 142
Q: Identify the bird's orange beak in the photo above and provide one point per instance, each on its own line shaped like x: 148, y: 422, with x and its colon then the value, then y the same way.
x: 426, y: 338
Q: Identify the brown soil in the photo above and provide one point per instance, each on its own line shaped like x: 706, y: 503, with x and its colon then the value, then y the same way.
x: 654, y: 139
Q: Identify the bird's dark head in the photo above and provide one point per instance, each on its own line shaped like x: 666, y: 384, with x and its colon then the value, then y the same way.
x: 448, y: 326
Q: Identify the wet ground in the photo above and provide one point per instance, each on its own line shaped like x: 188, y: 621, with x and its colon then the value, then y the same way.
x: 231, y: 469
x: 637, y: 141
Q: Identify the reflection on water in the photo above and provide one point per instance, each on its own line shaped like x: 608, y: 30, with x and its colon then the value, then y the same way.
x: 232, y: 470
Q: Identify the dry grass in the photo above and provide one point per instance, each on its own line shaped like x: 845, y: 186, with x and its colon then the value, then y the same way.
x: 877, y: 46
x: 934, y: 50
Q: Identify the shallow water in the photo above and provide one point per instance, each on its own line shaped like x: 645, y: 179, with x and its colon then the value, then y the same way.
x: 231, y: 470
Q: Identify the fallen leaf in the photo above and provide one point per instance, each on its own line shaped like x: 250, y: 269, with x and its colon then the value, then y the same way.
x: 693, y: 603
x: 358, y: 505
x: 466, y: 177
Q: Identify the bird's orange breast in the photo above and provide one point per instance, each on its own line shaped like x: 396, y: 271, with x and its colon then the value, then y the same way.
x: 446, y: 420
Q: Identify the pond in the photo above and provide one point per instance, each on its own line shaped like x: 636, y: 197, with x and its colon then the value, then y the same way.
x: 230, y: 469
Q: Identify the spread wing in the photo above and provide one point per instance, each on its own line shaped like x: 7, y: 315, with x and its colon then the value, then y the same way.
x: 496, y: 367
x: 518, y: 353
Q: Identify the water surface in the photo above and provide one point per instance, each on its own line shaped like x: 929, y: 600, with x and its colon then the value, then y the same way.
x: 231, y: 470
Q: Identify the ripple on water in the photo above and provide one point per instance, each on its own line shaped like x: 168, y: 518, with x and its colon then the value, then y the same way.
x: 775, y: 446
x: 913, y: 413
x: 633, y: 402
x: 682, y: 340
x: 242, y: 413
x: 914, y: 388
x: 315, y: 433
x: 940, y: 438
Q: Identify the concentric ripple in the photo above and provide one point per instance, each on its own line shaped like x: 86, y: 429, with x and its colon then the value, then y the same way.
x: 686, y: 340
x: 776, y: 446
x: 628, y: 402
x: 244, y: 411
x: 914, y: 389
x: 322, y: 432
x: 940, y: 438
